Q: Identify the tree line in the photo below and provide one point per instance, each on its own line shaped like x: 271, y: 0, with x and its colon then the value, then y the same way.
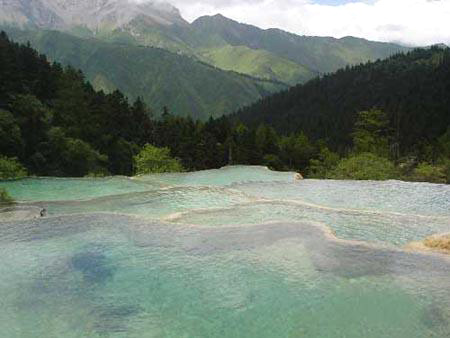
x: 53, y: 123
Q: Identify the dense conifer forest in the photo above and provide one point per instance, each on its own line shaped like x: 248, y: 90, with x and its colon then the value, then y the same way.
x: 382, y: 120
x: 413, y: 89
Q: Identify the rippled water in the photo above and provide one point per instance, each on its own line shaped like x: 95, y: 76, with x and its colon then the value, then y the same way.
x: 235, y: 252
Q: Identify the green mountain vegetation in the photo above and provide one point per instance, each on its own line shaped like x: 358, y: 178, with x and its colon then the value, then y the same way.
x: 52, y: 122
x: 147, y: 50
x: 161, y: 78
x: 247, y: 49
x: 412, y: 89
x: 318, y: 54
x: 152, y: 160
x: 258, y: 63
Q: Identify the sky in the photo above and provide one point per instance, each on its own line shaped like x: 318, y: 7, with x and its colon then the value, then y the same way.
x: 410, y: 22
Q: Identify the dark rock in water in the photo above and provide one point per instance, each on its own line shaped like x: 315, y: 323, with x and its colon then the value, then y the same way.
x: 112, y: 318
x: 434, y: 317
x: 43, y: 212
x: 93, y: 266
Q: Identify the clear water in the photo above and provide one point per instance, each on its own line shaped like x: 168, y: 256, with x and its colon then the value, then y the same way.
x: 236, y: 252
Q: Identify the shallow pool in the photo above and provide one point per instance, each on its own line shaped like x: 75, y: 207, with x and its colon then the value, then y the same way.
x: 235, y: 252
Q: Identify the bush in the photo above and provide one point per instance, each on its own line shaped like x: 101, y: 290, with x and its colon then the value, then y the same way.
x: 98, y: 173
x: 324, y: 164
x: 155, y: 160
x: 365, y: 166
x: 426, y: 172
x: 272, y: 162
x: 73, y: 157
x: 11, y: 168
x: 4, y: 197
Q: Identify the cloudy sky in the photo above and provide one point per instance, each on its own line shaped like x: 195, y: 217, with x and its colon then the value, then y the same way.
x: 413, y: 22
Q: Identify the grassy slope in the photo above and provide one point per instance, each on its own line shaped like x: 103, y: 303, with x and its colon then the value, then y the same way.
x: 246, y: 49
x: 321, y: 54
x: 258, y: 63
x: 186, y: 86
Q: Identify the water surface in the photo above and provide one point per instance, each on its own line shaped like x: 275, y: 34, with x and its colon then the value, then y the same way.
x: 235, y: 252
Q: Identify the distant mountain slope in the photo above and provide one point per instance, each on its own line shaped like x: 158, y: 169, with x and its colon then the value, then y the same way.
x: 159, y: 24
x: 170, y: 80
x: 258, y: 63
x: 319, y: 54
x: 186, y: 86
x: 414, y: 89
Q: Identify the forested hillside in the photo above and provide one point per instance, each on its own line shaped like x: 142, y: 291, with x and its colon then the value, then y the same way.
x: 413, y: 89
x: 159, y: 77
x: 146, y: 49
x: 52, y: 122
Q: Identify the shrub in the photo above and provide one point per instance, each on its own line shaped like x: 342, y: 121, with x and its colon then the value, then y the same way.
x: 324, y: 164
x: 4, y: 197
x: 426, y: 172
x: 272, y: 162
x: 155, y: 160
x: 73, y: 157
x: 365, y: 166
x: 11, y: 168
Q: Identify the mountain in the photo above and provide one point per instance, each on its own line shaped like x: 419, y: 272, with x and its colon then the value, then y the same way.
x: 161, y: 78
x: 94, y: 15
x: 319, y: 54
x: 159, y: 24
x: 107, y: 40
x: 231, y: 45
x: 413, y: 89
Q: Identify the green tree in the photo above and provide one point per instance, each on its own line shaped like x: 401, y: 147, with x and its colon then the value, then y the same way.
x: 266, y: 141
x: 73, y: 157
x: 11, y: 168
x: 273, y: 162
x: 33, y: 117
x: 364, y: 166
x: 324, y: 164
x: 371, y: 133
x: 444, y: 145
x: 296, y: 151
x: 120, y: 155
x: 426, y: 172
x: 11, y: 143
x: 155, y: 160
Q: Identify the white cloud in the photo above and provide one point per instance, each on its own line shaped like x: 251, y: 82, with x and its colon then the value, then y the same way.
x: 415, y: 22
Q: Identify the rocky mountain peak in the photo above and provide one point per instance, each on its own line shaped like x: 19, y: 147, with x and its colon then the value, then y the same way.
x: 93, y: 14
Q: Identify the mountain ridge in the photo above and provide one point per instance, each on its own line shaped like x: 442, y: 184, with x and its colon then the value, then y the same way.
x: 93, y: 14
x: 309, y: 51
x: 198, y: 89
x: 272, y: 54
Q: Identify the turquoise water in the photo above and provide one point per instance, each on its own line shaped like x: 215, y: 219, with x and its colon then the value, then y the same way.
x: 235, y: 252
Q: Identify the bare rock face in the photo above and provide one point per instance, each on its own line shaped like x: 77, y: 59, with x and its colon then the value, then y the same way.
x: 29, y: 12
x: 92, y: 14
